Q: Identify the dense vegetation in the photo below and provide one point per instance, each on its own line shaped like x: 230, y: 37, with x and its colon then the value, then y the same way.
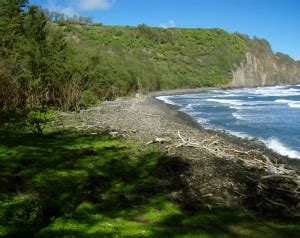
x: 121, y: 60
x: 48, y: 60
x: 35, y: 67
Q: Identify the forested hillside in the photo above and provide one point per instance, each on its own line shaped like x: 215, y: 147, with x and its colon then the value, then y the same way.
x: 46, y: 61
x: 121, y: 60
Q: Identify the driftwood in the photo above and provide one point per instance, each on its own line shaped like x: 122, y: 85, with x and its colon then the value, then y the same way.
x: 277, y: 188
x: 159, y: 140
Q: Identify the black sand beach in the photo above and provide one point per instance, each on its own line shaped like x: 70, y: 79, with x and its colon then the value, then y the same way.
x: 221, y: 169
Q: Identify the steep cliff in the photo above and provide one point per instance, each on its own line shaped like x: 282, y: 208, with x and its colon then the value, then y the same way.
x: 265, y: 69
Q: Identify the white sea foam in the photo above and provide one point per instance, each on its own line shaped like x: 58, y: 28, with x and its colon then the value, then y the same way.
x: 238, y: 116
x: 280, y: 148
x: 294, y: 90
x: 290, y: 103
x: 238, y: 104
x: 272, y: 143
x: 191, y: 113
x: 276, y: 92
x: 250, y: 107
x: 239, y: 134
x: 166, y: 99
x: 226, y: 95
x: 236, y: 107
x: 203, y: 121
x: 191, y: 96
x: 282, y: 101
x: 263, y: 91
x: 294, y: 104
x: 226, y: 101
x: 189, y: 106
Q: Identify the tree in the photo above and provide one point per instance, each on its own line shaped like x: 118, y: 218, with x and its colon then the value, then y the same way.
x: 10, y: 23
x: 11, y: 31
x: 36, y: 67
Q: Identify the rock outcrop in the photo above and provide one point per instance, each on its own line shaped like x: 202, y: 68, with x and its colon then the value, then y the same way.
x: 266, y: 69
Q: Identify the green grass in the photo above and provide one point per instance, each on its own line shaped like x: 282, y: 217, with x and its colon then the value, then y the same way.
x: 84, y: 185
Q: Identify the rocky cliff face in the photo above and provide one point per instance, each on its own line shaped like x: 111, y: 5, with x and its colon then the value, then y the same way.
x: 265, y: 69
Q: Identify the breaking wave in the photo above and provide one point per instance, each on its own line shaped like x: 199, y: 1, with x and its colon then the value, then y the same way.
x: 261, y: 113
x: 277, y: 146
x: 290, y: 103
x: 166, y: 99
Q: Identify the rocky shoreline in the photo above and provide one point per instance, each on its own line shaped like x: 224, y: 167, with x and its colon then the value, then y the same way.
x: 221, y: 169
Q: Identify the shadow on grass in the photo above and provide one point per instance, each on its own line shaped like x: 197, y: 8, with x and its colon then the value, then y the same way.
x: 84, y: 185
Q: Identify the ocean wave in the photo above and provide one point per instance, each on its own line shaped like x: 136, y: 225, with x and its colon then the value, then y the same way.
x: 256, y: 113
x: 290, y: 103
x: 239, y: 104
x: 191, y: 96
x: 193, y: 114
x: 207, y: 125
x: 294, y: 90
x: 250, y: 118
x: 236, y: 107
x: 240, y: 134
x: 277, y: 92
x: 226, y: 95
x: 166, y: 99
x: 203, y: 121
x: 277, y: 146
x: 238, y: 116
x: 249, y: 107
x: 294, y: 104
x: 273, y: 143
x: 227, y: 101
x: 283, y: 101
x: 187, y: 108
x: 190, y: 106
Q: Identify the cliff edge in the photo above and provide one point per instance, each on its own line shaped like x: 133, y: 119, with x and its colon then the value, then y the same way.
x: 261, y: 67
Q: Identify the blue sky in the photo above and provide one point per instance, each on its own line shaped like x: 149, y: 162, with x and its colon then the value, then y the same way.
x: 278, y: 21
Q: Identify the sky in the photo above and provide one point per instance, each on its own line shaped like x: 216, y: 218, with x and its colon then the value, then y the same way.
x: 278, y: 21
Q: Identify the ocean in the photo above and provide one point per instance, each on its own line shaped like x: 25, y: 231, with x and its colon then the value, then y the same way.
x: 268, y: 114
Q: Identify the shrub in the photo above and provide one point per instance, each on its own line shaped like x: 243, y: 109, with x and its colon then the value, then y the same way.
x: 38, y: 119
x: 23, y: 212
x: 88, y: 98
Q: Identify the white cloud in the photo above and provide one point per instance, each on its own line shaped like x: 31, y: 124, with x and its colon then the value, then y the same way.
x: 170, y: 24
x: 54, y: 7
x: 71, y: 8
x: 95, y: 4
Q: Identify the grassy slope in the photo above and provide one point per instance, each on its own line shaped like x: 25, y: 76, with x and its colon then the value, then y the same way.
x: 155, y: 58
x: 84, y: 185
